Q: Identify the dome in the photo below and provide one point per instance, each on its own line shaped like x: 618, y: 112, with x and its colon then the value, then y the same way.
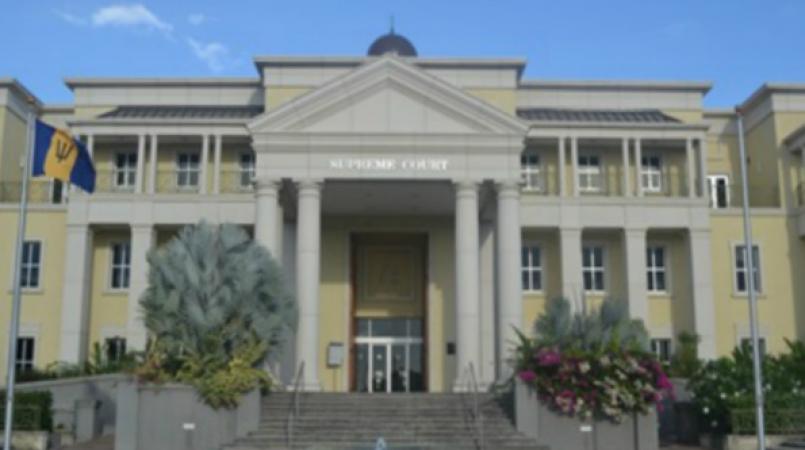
x: 392, y: 43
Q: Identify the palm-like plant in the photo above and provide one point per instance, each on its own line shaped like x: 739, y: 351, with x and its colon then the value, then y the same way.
x: 605, y: 327
x: 213, y: 290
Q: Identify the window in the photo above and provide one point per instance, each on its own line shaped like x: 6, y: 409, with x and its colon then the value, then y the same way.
x: 719, y: 191
x: 120, y: 265
x: 125, y: 170
x: 651, y: 173
x: 741, y: 269
x: 661, y: 347
x: 25, y: 354
x: 56, y: 191
x: 246, y: 169
x: 115, y: 348
x: 187, y: 170
x: 532, y: 268
x: 31, y: 264
x: 530, y: 171
x: 590, y: 179
x: 746, y: 343
x: 656, y: 267
x: 592, y: 261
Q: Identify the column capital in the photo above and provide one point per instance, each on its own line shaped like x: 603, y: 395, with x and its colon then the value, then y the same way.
x: 141, y: 227
x: 309, y: 185
x: 266, y: 186
x: 465, y: 185
x: 633, y: 230
x: 508, y: 187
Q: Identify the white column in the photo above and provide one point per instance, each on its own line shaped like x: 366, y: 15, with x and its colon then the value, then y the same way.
x: 691, y: 167
x: 574, y: 155
x: 510, y: 295
x: 152, y: 165
x: 638, y: 164
x: 701, y: 278
x: 570, y: 248
x: 205, y: 159
x: 703, y: 167
x: 76, y: 294
x: 634, y: 243
x: 216, y: 175
x: 561, y: 169
x: 91, y: 145
x: 142, y: 239
x: 138, y: 182
x: 467, y: 280
x: 266, y: 216
x: 307, y: 280
x: 627, y: 184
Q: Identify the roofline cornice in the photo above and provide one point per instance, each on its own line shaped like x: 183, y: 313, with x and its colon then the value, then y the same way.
x: 74, y: 82
x: 618, y: 125
x: 628, y: 85
x: 18, y: 88
x: 767, y: 89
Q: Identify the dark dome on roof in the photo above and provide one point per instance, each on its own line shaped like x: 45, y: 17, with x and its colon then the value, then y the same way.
x: 392, y: 43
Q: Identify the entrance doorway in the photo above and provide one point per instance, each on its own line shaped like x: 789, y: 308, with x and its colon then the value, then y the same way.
x: 388, y: 350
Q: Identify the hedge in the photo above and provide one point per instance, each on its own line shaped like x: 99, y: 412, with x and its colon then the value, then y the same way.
x: 32, y: 410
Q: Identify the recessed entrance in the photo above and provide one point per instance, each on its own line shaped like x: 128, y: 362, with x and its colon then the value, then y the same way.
x: 388, y: 351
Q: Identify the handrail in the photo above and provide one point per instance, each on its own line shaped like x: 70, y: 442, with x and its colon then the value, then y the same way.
x: 478, y: 420
x: 293, y: 408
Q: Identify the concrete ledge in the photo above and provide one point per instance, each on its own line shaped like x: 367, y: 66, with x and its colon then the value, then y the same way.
x: 29, y: 440
x: 535, y: 420
x: 173, y: 416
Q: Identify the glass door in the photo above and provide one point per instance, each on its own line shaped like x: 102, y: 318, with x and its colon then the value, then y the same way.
x: 390, y: 360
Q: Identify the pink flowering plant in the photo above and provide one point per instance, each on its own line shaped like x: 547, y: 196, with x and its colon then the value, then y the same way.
x: 593, y: 365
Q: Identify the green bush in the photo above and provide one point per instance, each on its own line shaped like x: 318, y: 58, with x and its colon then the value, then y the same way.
x: 216, y: 306
x: 724, y: 391
x: 98, y: 364
x: 32, y: 410
x: 685, y: 362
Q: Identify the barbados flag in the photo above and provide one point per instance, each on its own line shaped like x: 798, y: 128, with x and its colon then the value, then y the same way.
x: 58, y: 155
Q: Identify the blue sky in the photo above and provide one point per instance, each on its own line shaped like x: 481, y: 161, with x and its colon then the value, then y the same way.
x: 737, y: 44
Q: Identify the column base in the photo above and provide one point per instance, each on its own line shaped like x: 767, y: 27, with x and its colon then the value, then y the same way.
x: 464, y: 386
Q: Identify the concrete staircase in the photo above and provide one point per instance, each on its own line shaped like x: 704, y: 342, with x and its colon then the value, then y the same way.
x: 330, y: 421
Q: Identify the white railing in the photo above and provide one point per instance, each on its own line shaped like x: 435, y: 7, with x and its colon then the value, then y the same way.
x: 471, y: 382
x: 293, y: 408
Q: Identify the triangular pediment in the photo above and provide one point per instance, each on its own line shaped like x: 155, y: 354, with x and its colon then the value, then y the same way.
x: 388, y: 96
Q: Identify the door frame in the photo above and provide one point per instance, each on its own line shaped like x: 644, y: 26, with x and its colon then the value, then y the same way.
x: 355, y: 238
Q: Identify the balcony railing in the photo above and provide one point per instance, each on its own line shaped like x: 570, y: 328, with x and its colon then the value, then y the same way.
x: 175, y: 182
x: 236, y: 181
x: 39, y: 191
x: 114, y: 181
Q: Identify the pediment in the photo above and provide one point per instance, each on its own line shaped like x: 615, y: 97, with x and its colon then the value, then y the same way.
x: 388, y: 96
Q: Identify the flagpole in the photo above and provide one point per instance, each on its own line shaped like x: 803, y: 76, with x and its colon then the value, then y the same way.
x: 749, y: 261
x: 16, y: 298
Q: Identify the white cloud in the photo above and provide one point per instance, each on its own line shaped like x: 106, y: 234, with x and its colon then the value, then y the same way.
x: 196, y: 19
x: 214, y: 54
x: 72, y: 19
x: 134, y: 15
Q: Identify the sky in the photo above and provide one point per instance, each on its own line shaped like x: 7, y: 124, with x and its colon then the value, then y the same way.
x: 735, y: 44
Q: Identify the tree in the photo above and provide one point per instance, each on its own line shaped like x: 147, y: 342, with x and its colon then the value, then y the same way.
x: 214, y: 297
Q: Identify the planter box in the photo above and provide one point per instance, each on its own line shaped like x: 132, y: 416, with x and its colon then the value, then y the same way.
x: 28, y: 440
x: 172, y: 416
x: 560, y: 432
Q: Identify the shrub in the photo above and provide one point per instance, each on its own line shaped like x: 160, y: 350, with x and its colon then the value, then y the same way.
x: 98, y: 364
x: 32, y: 410
x: 685, y: 361
x: 216, y: 307
x: 591, y: 365
x: 724, y: 389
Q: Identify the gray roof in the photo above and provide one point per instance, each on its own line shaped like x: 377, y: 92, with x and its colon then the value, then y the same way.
x: 182, y: 112
x: 595, y: 115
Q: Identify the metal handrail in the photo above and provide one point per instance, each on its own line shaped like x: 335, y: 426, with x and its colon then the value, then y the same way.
x: 478, y: 419
x: 293, y: 408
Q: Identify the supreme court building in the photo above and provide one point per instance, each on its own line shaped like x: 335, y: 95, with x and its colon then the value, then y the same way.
x: 421, y: 208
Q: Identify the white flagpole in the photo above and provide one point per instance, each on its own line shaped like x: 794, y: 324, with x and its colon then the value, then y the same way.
x: 15, y: 308
x: 749, y: 261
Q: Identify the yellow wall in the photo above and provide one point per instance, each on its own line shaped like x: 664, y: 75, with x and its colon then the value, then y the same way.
x: 108, y: 308
x: 13, y: 142
x: 503, y: 99
x: 41, y: 308
x: 276, y: 96
x: 534, y: 302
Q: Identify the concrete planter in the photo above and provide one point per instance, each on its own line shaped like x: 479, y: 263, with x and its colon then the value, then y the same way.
x: 173, y: 417
x: 29, y: 440
x: 537, y: 421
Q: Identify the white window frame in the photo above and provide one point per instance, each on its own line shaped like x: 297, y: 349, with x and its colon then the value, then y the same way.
x: 651, y: 178
x: 531, y: 171
x: 246, y: 169
x: 124, y: 267
x: 127, y: 171
x: 27, y: 266
x: 593, y: 269
x: 528, y: 268
x: 758, y: 268
x: 652, y: 270
x: 20, y: 362
x: 712, y: 184
x: 189, y: 169
x: 657, y: 350
x: 590, y: 172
